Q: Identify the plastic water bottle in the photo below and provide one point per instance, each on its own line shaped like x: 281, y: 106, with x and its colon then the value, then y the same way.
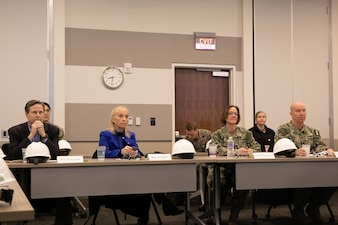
x: 230, y: 147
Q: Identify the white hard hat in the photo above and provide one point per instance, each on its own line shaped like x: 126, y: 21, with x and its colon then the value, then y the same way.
x: 2, y: 154
x: 63, y: 144
x: 284, y: 147
x: 64, y: 147
x: 183, y: 149
x: 37, y: 152
x: 5, y: 174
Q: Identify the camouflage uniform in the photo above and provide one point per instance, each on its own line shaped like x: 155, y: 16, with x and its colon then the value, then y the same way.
x: 306, y: 135
x: 203, y: 137
x: 301, y: 196
x: 243, y: 138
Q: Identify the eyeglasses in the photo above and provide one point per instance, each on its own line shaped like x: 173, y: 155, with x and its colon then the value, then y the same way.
x: 232, y: 113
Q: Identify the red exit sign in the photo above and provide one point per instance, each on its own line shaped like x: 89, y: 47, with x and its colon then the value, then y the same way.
x: 205, y: 43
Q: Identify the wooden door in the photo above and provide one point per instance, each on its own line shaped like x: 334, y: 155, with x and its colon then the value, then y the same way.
x: 200, y: 97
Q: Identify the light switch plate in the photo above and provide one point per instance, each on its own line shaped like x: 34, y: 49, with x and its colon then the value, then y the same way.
x: 138, y: 121
x: 130, y: 120
x: 128, y: 68
x: 4, y: 134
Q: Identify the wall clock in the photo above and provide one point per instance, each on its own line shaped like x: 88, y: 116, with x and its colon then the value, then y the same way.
x: 112, y: 77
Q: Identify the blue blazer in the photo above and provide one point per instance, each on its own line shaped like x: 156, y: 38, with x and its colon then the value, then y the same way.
x: 114, y: 143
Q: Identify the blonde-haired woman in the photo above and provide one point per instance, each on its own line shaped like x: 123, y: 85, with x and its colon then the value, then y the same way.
x: 119, y: 141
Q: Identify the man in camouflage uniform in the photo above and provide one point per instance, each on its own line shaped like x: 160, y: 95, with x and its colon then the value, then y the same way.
x: 300, y: 134
x: 198, y: 137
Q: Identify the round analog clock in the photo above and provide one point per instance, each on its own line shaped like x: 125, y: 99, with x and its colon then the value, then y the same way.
x: 112, y: 77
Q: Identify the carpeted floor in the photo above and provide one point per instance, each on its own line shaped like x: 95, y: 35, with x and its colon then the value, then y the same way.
x: 278, y: 216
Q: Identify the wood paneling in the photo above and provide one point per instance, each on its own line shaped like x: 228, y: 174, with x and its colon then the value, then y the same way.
x: 199, y: 97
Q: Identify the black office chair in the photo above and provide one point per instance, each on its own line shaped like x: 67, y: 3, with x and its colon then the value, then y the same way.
x: 277, y: 197
x: 273, y: 198
x: 4, y: 148
x: 79, y: 209
x: 95, y: 202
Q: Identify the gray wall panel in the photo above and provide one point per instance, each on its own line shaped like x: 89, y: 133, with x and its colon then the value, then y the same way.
x: 84, y: 122
x: 88, y: 47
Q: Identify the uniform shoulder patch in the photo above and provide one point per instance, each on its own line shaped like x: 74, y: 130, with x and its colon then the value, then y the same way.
x: 316, y: 132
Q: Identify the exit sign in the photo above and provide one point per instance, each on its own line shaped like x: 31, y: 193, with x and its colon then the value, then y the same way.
x: 205, y: 43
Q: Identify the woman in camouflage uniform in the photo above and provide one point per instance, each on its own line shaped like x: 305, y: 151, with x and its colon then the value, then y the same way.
x: 245, y: 144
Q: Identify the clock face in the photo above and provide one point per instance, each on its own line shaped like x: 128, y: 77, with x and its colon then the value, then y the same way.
x: 112, y: 77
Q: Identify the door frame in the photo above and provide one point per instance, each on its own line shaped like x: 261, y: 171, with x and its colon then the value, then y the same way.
x: 233, y: 84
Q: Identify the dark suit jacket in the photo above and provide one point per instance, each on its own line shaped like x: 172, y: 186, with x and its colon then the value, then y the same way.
x: 18, y: 139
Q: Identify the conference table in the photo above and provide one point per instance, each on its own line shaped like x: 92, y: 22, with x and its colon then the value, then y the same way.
x: 274, y: 173
x: 95, y: 177
x: 19, y: 210
x: 116, y: 176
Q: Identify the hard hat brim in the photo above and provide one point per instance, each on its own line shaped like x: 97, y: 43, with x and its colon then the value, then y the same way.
x: 291, y: 153
x: 184, y: 155
x: 37, y: 159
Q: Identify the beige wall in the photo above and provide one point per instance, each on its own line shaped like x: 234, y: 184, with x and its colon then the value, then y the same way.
x: 162, y: 25
x: 169, y: 28
x: 291, y: 60
x: 72, y: 83
x: 176, y: 17
x: 334, y: 38
x: 23, y: 58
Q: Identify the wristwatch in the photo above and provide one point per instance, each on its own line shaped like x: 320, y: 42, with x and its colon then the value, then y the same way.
x: 45, y: 137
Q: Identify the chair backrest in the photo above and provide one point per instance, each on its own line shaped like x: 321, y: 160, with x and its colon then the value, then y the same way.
x: 4, y: 148
x: 94, y: 156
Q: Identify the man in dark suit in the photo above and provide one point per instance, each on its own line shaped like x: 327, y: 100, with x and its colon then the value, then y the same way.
x: 34, y: 130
